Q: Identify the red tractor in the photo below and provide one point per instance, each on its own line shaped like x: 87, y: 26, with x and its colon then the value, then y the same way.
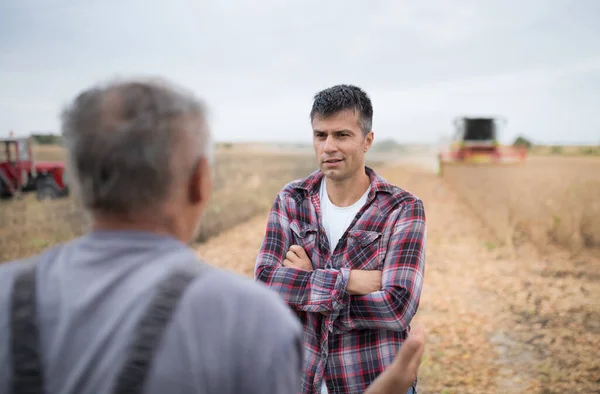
x: 20, y: 173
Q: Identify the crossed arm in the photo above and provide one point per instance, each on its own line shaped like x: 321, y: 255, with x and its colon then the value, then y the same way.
x: 393, y: 306
x: 302, y: 288
x: 361, y: 300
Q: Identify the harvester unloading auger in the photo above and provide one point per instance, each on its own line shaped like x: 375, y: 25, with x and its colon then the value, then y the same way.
x: 476, y: 142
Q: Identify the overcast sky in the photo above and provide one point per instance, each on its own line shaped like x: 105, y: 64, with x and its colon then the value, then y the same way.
x: 258, y: 63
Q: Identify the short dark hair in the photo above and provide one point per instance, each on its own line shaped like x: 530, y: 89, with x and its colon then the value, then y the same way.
x: 338, y: 98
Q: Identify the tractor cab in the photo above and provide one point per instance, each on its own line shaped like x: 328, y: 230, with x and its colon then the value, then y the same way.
x: 15, y: 149
x: 19, y: 172
x: 479, y: 129
x: 476, y: 137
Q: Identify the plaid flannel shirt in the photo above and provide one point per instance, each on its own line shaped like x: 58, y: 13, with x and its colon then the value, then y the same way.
x: 348, y: 340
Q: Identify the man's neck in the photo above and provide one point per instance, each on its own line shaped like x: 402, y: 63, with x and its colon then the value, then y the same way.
x: 106, y: 223
x: 346, y: 192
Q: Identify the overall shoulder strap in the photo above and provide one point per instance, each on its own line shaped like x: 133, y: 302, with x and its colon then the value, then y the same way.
x: 27, y: 377
x: 149, y: 332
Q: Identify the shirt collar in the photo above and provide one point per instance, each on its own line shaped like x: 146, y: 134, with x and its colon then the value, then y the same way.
x: 311, y: 183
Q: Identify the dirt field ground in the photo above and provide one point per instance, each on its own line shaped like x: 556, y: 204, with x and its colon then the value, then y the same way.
x: 511, y: 299
x: 500, y: 319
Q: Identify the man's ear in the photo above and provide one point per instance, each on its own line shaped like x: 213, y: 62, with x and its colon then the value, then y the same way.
x: 368, y: 140
x: 200, y: 185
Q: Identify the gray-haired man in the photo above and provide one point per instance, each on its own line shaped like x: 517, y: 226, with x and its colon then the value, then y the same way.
x: 128, y: 307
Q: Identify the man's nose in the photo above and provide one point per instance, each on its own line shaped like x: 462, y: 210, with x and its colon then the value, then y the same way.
x: 330, y: 145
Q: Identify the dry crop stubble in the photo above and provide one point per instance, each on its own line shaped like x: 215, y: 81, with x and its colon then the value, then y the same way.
x: 553, y: 201
x: 552, y: 290
x: 245, y: 184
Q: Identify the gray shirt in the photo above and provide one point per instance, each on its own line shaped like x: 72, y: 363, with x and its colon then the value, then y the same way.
x: 229, y: 334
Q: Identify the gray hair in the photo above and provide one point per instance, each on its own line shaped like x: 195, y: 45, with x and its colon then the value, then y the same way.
x: 129, y: 141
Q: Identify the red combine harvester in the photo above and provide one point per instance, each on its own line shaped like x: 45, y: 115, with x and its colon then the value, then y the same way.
x: 476, y: 142
x: 19, y: 172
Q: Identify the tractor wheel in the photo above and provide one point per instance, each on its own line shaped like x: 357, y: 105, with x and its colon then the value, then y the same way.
x: 5, y: 192
x: 46, y: 189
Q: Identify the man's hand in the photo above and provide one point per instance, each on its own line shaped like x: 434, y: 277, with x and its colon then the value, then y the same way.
x: 296, y: 257
x: 407, y: 361
x: 401, y: 374
x: 363, y: 282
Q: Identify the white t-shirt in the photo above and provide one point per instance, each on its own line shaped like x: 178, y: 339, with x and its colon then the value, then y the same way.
x: 335, y: 221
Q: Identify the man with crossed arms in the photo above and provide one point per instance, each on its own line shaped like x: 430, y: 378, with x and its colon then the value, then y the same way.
x: 346, y: 250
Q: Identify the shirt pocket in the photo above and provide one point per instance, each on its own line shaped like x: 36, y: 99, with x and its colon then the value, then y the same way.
x: 305, y: 235
x: 363, y: 250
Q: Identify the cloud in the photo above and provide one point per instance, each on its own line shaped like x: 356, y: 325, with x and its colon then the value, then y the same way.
x: 258, y: 65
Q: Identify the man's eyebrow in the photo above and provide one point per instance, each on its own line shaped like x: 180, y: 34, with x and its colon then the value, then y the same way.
x: 334, y: 131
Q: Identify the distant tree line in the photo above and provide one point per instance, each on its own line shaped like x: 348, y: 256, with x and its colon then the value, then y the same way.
x: 47, y: 139
x: 387, y: 145
x: 523, y: 142
x: 560, y: 150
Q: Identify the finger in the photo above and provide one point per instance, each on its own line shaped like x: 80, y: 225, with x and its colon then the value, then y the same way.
x: 299, y: 250
x: 287, y: 263
x: 411, y: 352
x: 418, y: 331
x: 293, y: 257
